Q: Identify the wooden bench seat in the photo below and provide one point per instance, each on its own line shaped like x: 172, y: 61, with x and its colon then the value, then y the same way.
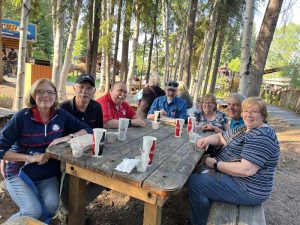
x: 230, y: 214
x: 23, y: 220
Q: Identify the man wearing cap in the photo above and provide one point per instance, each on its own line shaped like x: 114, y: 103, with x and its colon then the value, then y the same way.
x: 235, y: 109
x: 114, y: 107
x: 169, y: 105
x: 82, y: 106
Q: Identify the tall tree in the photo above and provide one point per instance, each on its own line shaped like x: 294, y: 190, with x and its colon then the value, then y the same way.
x: 135, y: 38
x: 58, y: 28
x: 165, y: 16
x: 69, y: 50
x: 1, y: 63
x: 117, y: 41
x: 262, y: 46
x: 189, y: 42
x: 246, y: 48
x: 207, y: 44
x: 93, y: 37
x: 18, y: 102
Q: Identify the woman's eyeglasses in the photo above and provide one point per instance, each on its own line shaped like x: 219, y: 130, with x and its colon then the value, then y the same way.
x: 44, y: 92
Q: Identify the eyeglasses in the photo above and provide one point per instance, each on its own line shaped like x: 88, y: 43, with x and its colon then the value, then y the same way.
x: 172, y: 84
x: 44, y: 92
x: 208, y: 103
x: 254, y: 112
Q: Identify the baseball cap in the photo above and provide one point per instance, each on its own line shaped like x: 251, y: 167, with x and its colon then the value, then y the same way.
x: 172, y: 85
x: 85, y: 77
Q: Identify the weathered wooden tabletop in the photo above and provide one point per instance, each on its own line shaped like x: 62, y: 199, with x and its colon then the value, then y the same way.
x: 174, y: 160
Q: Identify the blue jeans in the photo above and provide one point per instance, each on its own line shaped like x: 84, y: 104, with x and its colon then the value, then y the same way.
x: 28, y: 201
x: 204, y: 187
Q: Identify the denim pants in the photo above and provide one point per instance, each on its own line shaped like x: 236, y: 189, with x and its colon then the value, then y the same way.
x: 28, y: 201
x: 204, y: 187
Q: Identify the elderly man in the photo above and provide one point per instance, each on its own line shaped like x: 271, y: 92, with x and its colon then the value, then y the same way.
x: 82, y: 106
x: 114, y: 107
x: 169, y: 105
x: 235, y: 109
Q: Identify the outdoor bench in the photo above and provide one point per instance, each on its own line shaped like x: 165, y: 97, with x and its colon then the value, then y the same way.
x: 231, y: 214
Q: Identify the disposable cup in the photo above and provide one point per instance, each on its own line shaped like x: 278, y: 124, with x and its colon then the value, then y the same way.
x: 98, y: 141
x: 156, y: 116
x: 155, y: 125
x: 123, y: 126
x: 149, y: 143
x: 191, y: 124
x: 193, y: 137
x: 178, y: 128
x: 143, y: 164
x: 76, y: 150
x: 112, y: 137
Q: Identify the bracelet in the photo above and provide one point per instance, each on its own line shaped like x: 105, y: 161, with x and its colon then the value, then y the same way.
x: 216, y: 165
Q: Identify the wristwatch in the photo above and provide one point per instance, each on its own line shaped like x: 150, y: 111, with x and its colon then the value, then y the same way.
x: 130, y: 123
x: 216, y: 165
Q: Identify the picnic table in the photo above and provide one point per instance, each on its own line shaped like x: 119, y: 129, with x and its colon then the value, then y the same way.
x: 174, y: 160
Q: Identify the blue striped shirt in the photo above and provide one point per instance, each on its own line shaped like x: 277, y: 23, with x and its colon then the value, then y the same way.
x: 258, y: 146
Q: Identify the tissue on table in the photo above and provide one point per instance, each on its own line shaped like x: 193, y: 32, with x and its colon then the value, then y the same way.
x: 127, y: 165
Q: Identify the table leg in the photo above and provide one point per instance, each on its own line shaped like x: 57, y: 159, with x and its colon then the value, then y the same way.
x: 152, y: 214
x: 76, y: 214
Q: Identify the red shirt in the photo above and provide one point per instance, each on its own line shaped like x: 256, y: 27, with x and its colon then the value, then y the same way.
x: 110, y: 111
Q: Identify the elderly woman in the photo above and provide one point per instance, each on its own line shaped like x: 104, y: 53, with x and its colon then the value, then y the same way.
x: 184, y: 94
x: 150, y: 92
x: 245, y: 168
x: 24, y: 140
x: 209, y: 118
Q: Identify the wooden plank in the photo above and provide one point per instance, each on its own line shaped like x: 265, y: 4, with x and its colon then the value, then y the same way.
x: 251, y: 215
x: 174, y: 172
x: 152, y: 214
x: 76, y: 214
x: 23, y: 220
x: 223, y: 213
x: 136, y: 192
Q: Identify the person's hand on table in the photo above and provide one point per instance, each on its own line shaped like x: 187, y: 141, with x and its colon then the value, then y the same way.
x: 209, y: 127
x: 137, y: 123
x: 39, y: 158
x: 202, y: 143
x: 163, y: 113
x: 60, y: 140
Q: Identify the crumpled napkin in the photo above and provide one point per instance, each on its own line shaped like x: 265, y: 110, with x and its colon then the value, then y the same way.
x: 127, y: 165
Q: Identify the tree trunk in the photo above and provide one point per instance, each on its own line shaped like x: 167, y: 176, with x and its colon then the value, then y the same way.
x: 125, y: 42
x: 178, y: 55
x: 210, y: 60
x: 92, y: 59
x: 246, y: 48
x: 262, y: 46
x: 69, y: 51
x: 117, y: 41
x: 143, y: 62
x: 18, y: 102
x: 89, y: 40
x: 207, y: 41
x: 133, y: 50
x: 58, y: 43
x: 189, y: 42
x: 151, y: 41
x: 165, y: 16
x: 221, y: 38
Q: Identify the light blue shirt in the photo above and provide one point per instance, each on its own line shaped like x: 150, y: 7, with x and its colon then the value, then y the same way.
x: 176, y: 109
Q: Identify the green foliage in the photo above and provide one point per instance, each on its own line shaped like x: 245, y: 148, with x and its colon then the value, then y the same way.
x: 235, y: 64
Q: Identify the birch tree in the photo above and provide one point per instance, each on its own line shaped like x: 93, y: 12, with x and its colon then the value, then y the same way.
x: 58, y: 21
x: 207, y: 43
x: 69, y: 51
x: 133, y: 49
x: 246, y: 48
x: 165, y: 16
x: 262, y: 46
x: 18, y: 101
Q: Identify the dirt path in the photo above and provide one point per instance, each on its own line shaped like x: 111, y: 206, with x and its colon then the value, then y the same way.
x: 112, y: 208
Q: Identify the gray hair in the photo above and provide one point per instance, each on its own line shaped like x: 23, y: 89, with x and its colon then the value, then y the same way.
x: 237, y: 96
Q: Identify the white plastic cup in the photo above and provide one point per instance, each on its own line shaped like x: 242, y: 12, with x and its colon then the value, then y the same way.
x: 98, y: 142
x: 155, y: 125
x: 123, y: 126
x: 191, y: 124
x: 111, y: 137
x: 193, y: 137
x: 156, y: 116
x: 76, y: 150
x: 178, y: 127
x: 142, y: 164
x: 149, y: 143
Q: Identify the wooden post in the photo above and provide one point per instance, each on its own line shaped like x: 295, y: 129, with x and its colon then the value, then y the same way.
x: 152, y: 214
x: 76, y: 201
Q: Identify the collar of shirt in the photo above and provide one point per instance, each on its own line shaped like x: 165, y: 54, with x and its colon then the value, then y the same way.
x: 234, y: 123
x: 36, y: 115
